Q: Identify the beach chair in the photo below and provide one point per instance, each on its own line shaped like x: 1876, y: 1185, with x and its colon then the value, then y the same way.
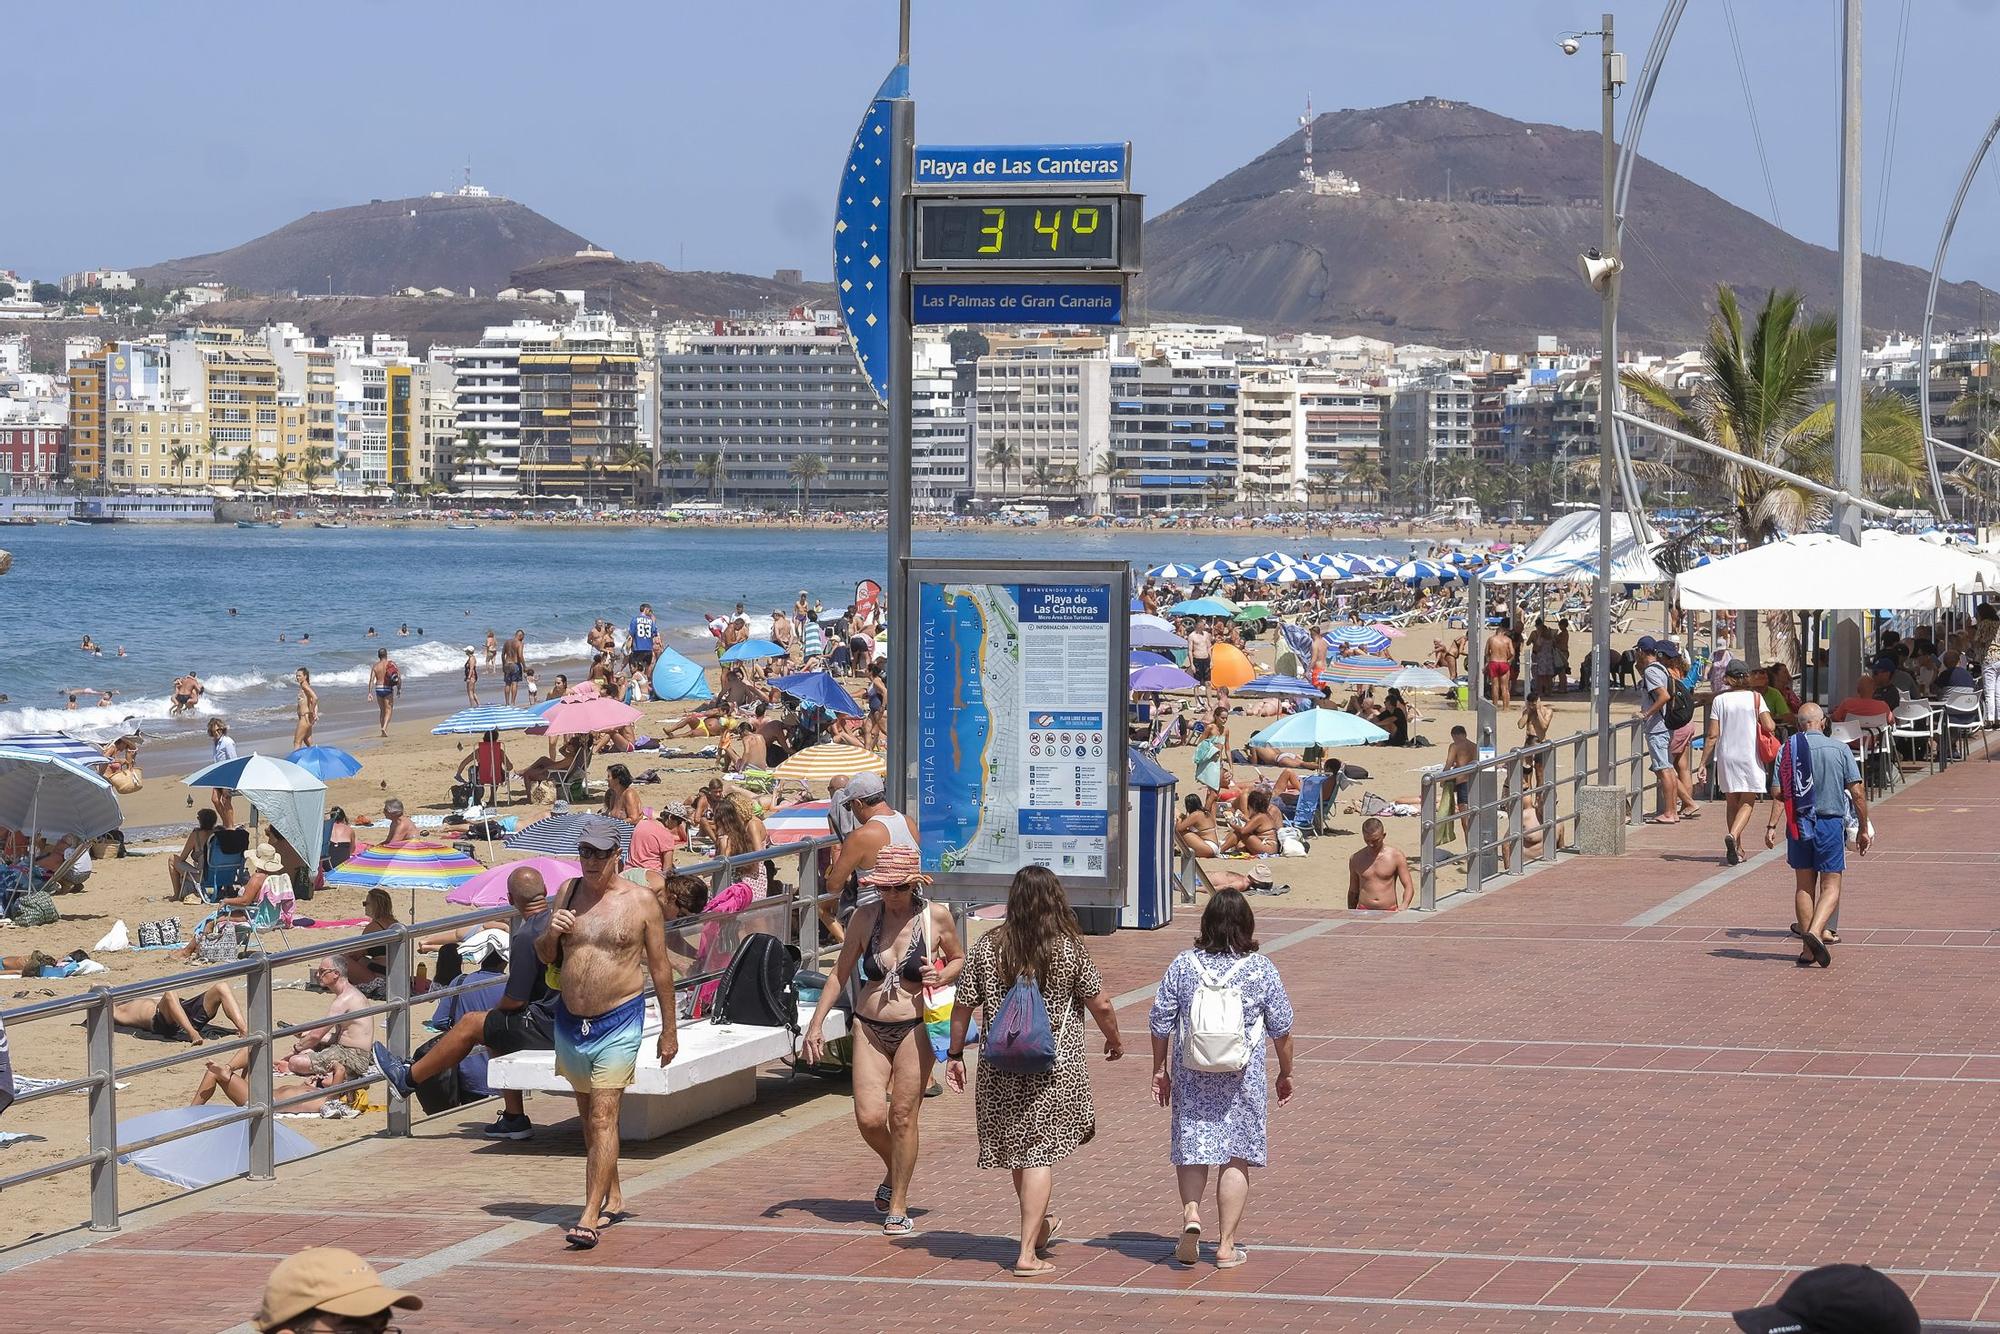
x: 1310, y: 809
x: 61, y: 880
x: 224, y: 870
x: 187, y: 876
x: 573, y: 784
x: 264, y: 915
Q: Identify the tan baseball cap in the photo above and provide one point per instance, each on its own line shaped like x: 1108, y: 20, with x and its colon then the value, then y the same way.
x: 327, y: 1278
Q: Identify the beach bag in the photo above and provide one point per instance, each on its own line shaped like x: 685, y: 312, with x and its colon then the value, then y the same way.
x: 760, y: 986
x: 443, y: 1090
x: 1213, y: 1040
x: 1021, y: 1041
x: 125, y: 781
x: 35, y: 908
x: 1768, y: 747
x: 1291, y: 843
x: 1680, y: 705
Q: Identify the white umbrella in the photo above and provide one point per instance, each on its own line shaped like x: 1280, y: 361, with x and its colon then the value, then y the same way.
x: 1418, y: 678
x: 205, y: 1157
x: 46, y: 794
x: 290, y: 796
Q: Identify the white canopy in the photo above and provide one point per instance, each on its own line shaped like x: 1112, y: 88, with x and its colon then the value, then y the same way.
x: 1566, y: 553
x: 1820, y: 572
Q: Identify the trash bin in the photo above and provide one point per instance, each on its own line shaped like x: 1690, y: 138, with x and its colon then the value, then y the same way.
x: 1149, y: 845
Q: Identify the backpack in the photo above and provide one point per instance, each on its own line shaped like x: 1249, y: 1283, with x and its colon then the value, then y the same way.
x: 1021, y: 1040
x: 1213, y: 1039
x: 35, y: 908
x: 760, y: 986
x: 1680, y: 705
x: 393, y: 678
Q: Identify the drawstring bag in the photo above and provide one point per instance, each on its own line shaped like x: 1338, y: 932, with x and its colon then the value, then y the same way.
x: 1021, y: 1040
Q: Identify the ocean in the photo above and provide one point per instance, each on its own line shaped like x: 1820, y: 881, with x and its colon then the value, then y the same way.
x: 232, y: 604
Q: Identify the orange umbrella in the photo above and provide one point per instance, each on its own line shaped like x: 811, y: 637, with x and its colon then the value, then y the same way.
x: 1228, y: 668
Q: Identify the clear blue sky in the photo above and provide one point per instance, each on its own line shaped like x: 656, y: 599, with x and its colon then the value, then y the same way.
x: 145, y: 131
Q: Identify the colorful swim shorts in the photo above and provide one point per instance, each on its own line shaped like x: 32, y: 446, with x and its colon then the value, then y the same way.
x: 599, y: 1051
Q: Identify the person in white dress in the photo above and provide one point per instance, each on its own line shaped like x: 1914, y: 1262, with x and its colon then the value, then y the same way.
x: 1736, y: 718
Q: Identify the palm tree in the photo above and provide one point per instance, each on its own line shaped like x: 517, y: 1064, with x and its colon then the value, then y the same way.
x: 1113, y: 473
x: 805, y: 470
x: 244, y: 474
x: 178, y: 457
x: 1220, y: 489
x: 665, y: 460
x: 1043, y: 478
x: 311, y: 469
x: 709, y: 469
x: 637, y: 460
x: 1002, y: 456
x: 1364, y: 474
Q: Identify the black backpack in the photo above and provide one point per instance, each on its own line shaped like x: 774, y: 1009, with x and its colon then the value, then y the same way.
x: 1680, y: 704
x: 760, y: 986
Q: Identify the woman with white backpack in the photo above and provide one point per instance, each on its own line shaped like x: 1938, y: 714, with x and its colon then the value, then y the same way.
x: 1216, y: 1005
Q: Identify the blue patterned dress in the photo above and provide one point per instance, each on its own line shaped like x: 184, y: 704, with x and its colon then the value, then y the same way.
x: 1217, y: 1117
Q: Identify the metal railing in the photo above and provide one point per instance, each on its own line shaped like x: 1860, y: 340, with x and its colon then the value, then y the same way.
x: 1549, y: 775
x: 261, y: 1108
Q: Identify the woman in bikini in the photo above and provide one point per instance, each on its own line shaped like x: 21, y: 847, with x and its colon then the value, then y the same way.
x: 620, y: 800
x: 1196, y: 829
x: 903, y: 946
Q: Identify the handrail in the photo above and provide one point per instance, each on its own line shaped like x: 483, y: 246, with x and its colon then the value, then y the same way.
x: 262, y: 1106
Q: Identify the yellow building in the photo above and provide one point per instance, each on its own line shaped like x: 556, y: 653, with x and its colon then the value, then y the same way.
x: 86, y: 420
x: 237, y: 383
x: 157, y: 444
x: 580, y: 424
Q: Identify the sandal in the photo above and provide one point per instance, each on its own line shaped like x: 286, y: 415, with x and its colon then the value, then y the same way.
x: 1050, y: 1225
x: 1242, y: 1254
x: 882, y: 1196
x: 1188, y: 1249
x: 898, y: 1225
x: 1036, y: 1271
x: 1663, y: 819
x: 581, y: 1238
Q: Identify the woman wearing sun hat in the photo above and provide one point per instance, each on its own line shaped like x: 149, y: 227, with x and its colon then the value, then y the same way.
x: 905, y: 950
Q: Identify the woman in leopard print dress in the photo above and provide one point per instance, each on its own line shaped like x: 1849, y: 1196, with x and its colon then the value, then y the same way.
x: 1029, y: 1122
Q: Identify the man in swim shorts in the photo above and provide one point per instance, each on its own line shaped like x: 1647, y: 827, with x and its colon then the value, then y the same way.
x: 170, y: 1016
x: 1500, y: 667
x: 604, y: 937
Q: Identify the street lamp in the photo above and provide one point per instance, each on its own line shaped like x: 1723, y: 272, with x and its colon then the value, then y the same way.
x: 1600, y: 267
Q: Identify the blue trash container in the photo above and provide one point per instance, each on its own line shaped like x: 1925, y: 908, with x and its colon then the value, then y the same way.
x: 1149, y: 845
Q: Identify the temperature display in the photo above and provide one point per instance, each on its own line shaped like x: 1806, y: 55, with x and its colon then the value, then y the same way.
x: 1050, y: 233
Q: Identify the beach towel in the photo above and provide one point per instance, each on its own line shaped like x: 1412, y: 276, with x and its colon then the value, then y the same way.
x: 1795, y: 782
x: 6, y: 1071
x: 733, y: 898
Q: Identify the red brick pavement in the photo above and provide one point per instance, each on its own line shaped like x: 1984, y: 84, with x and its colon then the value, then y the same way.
x: 1523, y: 1113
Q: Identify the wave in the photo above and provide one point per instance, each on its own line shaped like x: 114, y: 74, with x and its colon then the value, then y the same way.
x: 229, y: 685
x: 96, y: 722
x: 437, y: 657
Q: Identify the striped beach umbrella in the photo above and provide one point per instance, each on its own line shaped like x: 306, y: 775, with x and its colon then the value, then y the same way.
x: 1367, y: 638
x: 797, y: 822
x: 1418, y: 678
x: 1289, y: 574
x: 59, y: 744
x: 487, y: 718
x: 1180, y: 574
x: 1215, y: 569
x: 816, y: 764
x: 1277, y: 685
x: 1359, y: 671
x: 1417, y: 571
x: 556, y: 834
x: 411, y: 864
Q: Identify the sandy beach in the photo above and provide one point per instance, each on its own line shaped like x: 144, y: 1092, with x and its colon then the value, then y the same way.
x: 417, y: 767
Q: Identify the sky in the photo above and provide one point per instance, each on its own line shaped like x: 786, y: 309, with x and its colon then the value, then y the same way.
x: 711, y: 135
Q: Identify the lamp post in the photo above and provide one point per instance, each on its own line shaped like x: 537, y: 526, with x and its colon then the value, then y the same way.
x: 1844, y: 659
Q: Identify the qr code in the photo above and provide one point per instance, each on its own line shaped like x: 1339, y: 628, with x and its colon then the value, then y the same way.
x: 1094, y: 862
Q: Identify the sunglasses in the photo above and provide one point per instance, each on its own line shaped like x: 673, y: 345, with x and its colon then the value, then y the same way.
x: 594, y: 854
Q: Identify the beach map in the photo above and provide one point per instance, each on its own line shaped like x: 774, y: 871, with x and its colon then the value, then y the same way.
x: 1015, y: 727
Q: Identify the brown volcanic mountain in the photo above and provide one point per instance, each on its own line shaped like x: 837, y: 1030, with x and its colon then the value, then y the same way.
x: 1398, y: 262
x: 641, y: 290
x: 371, y: 249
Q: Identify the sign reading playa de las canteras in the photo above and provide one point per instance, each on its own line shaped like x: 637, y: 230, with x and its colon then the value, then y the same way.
x: 1018, y: 734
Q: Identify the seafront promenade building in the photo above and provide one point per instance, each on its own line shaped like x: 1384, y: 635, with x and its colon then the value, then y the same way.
x: 1173, y: 431
x: 1308, y: 434
x: 1045, y: 423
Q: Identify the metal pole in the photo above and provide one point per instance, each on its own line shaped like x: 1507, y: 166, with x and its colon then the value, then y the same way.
x: 264, y: 1125
x: 1930, y: 314
x: 103, y: 1068
x: 902, y: 641
x: 1844, y: 657
x: 1607, y: 402
x: 396, y: 990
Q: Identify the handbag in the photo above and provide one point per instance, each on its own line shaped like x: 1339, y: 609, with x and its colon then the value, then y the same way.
x: 1768, y: 747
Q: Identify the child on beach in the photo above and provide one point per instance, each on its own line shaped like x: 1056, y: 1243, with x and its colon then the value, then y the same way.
x: 534, y: 686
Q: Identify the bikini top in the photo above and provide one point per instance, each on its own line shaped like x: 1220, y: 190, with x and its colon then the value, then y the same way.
x: 878, y: 966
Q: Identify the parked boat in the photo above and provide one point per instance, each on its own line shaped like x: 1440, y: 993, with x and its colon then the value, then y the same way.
x: 461, y: 527
x: 257, y: 523
x: 328, y: 523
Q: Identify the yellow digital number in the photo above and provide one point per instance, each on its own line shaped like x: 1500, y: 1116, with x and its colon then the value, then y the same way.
x: 1053, y: 231
x: 997, y: 229
x: 1083, y: 221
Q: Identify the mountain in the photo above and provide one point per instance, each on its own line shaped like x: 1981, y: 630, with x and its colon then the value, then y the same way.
x: 643, y: 291
x: 455, y: 241
x: 1467, y: 229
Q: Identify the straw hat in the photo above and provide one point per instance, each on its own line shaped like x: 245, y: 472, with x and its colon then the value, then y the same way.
x: 265, y: 858
x: 896, y: 864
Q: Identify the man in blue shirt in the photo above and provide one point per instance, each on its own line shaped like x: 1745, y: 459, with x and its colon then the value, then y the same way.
x: 639, y: 638
x: 1816, y: 778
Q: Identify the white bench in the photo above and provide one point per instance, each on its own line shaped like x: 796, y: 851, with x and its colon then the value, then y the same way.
x: 714, y: 1071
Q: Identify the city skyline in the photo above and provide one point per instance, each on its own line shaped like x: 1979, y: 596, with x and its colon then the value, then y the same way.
x: 745, y: 149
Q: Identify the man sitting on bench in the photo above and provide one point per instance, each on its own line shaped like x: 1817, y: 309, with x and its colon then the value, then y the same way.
x: 522, y: 1020
x: 169, y: 1016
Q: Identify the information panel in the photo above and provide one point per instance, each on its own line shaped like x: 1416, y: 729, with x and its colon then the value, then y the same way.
x: 1016, y: 711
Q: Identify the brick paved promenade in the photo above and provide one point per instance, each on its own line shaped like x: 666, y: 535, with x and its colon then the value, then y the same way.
x: 1601, y: 1097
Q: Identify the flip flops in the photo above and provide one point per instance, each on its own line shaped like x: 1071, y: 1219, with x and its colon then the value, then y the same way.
x: 1242, y: 1255
x: 898, y: 1225
x: 1820, y: 953
x: 882, y: 1197
x: 1050, y: 1225
x: 1188, y: 1249
x: 581, y: 1238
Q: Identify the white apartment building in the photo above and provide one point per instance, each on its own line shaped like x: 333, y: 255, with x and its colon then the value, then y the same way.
x: 1173, y: 431
x: 1303, y: 430
x: 1045, y: 426
x: 940, y: 432
x: 360, y: 425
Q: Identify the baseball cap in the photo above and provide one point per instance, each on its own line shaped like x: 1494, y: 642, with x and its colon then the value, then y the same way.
x: 1647, y: 644
x: 1836, y: 1299
x: 1887, y: 663
x: 1666, y: 648
x: 327, y: 1278
x: 1736, y: 670
x: 599, y: 832
x: 862, y: 785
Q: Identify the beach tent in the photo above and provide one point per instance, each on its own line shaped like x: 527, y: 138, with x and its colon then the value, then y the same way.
x: 1566, y: 552
x: 1818, y: 572
x: 293, y: 799
x: 675, y: 677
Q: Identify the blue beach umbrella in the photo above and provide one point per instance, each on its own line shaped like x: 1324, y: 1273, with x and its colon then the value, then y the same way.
x: 1289, y: 574
x: 1148, y: 636
x: 675, y: 677
x: 1215, y: 569
x: 205, y: 1157
x: 47, y: 795
x: 1203, y: 607
x: 1320, y: 727
x: 59, y: 744
x: 325, y: 761
x: 750, y: 650
x: 1417, y: 571
x: 1182, y: 574
x: 818, y: 688
x: 1277, y: 685
x: 1367, y: 638
x: 1140, y: 657
x: 487, y: 718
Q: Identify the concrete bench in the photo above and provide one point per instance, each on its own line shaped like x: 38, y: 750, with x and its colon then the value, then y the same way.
x: 714, y: 1071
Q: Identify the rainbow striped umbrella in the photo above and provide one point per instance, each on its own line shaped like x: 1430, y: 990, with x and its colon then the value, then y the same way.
x: 1359, y: 671
x: 412, y: 864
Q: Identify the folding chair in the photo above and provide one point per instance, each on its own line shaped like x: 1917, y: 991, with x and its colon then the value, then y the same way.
x: 1311, y: 806
x: 224, y: 870
x: 60, y: 880
x: 264, y: 915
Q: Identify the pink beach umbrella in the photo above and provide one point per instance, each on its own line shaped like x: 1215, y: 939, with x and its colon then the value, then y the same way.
x: 589, y: 715
x: 488, y: 889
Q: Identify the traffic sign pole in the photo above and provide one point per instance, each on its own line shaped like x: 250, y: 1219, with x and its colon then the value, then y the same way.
x: 902, y: 624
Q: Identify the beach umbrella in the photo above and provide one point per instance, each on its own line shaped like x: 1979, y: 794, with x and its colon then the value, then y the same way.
x: 1228, y: 667
x: 45, y: 794
x: 206, y: 1157
x: 1151, y: 680
x: 750, y: 650
x: 675, y: 677
x: 816, y: 764
x: 1277, y: 685
x: 59, y: 744
x: 1210, y: 606
x: 1419, y: 678
x: 1367, y: 638
x: 797, y: 822
x: 556, y: 834
x: 1215, y: 569
x: 325, y: 762
x: 1379, y: 564
x: 292, y: 798
x: 1181, y: 574
x: 589, y: 715
x: 488, y: 889
x: 1140, y: 657
x: 1142, y: 620
x: 1146, y: 636
x: 1359, y: 671
x: 1416, y: 571
x: 1254, y: 611
x: 412, y: 864
x: 818, y: 688
x: 1288, y: 574
x: 1320, y: 727
x: 488, y: 718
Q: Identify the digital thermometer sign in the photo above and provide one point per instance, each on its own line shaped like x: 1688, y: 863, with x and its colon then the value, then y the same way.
x: 1047, y: 232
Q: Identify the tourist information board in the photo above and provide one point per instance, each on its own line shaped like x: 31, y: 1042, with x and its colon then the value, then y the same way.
x: 1014, y: 705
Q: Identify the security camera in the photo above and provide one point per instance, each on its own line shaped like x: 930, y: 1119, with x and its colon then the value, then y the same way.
x: 1597, y: 268
x: 1570, y: 46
